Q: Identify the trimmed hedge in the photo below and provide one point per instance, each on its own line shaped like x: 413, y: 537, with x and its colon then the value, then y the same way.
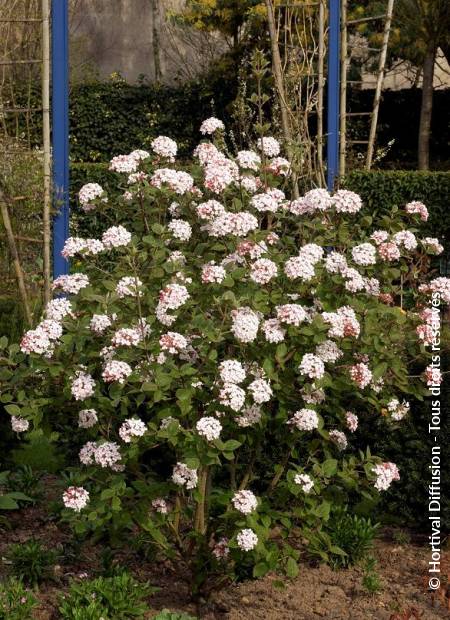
x: 381, y: 190
x: 112, y: 117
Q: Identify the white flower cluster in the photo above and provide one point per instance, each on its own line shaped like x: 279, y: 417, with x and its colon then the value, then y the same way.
x: 235, y: 224
x: 160, y: 505
x: 364, y: 254
x: 19, y: 424
x: 42, y: 339
x: 129, y: 286
x: 268, y: 202
x: 76, y: 498
x: 279, y: 166
x: 71, y: 283
x: 87, y: 418
x: 398, y: 410
x: 116, y: 371
x: 247, y: 539
x: 245, y: 324
x: 339, y: 439
x: 106, y: 454
x: 115, y: 237
x: 432, y: 245
x: 211, y: 125
x: 231, y: 395
x: 386, y: 473
x: 305, y: 481
x: 79, y: 245
x: 269, y: 146
x: 260, y: 390
x: 418, y: 208
x: 173, y: 342
x: 183, y: 476
x: 209, y: 428
x: 273, y: 332
x: 232, y: 371
x: 82, y: 386
x: 405, y: 239
x: 291, y: 314
x: 312, y: 366
x: 249, y: 160
x: 213, y: 274
x: 351, y: 420
x: 124, y: 163
x: 99, y: 323
x: 343, y: 323
x: 263, y: 270
x: 221, y: 549
x: 346, y: 201
x: 165, y: 147
x: 90, y: 192
x: 328, y: 351
x: 180, y: 229
x: 58, y: 309
x: 178, y: 181
x: 245, y: 502
x: 361, y: 375
x: 305, y: 420
x: 210, y: 210
x: 127, y: 337
x: 249, y: 416
x: 133, y: 427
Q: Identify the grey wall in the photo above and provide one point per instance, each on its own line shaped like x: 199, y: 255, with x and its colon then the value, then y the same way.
x: 118, y: 35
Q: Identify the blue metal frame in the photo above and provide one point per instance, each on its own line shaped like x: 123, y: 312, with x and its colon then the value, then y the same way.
x: 60, y: 131
x: 334, y: 35
x: 60, y: 118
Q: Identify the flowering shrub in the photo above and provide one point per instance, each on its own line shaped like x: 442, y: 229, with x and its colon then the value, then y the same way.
x: 217, y: 320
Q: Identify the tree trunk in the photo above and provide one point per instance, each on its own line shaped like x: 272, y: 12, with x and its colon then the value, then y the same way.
x: 156, y: 18
x: 426, y: 108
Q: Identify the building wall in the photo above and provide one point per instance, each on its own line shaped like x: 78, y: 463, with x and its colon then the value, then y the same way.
x: 110, y: 36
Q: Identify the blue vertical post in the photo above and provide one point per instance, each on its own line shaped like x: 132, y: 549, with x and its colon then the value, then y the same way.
x: 334, y: 34
x: 60, y: 131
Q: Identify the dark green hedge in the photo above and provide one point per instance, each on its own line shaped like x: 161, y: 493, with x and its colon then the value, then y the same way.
x: 108, y: 118
x: 382, y: 190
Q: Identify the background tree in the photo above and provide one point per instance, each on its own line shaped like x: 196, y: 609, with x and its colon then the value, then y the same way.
x: 420, y: 28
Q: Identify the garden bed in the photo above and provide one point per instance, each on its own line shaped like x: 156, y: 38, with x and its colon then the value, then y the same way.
x: 318, y: 591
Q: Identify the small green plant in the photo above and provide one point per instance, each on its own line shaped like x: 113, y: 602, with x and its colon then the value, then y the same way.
x: 110, y: 566
x: 112, y: 598
x: 16, y: 602
x: 27, y: 481
x: 371, y: 580
x: 39, y: 452
x: 401, y: 537
x: 351, y: 534
x: 31, y: 562
x: 9, y: 499
x: 166, y: 614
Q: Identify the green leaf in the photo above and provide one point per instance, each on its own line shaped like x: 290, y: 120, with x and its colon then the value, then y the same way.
x: 7, y: 503
x: 13, y: 409
x: 329, y: 467
x: 292, y: 569
x: 260, y: 569
x: 231, y: 445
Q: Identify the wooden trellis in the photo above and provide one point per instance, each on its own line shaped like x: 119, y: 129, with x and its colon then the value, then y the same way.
x: 25, y: 60
x: 298, y: 39
x: 375, y: 56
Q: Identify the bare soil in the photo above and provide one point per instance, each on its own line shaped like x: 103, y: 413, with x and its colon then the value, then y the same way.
x: 317, y: 593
